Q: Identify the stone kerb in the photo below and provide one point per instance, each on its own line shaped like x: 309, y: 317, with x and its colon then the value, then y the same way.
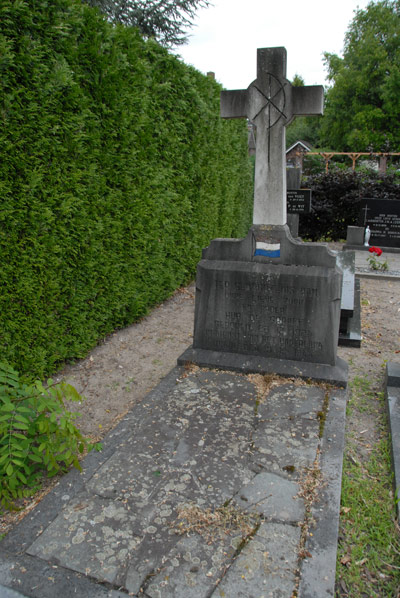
x: 392, y: 392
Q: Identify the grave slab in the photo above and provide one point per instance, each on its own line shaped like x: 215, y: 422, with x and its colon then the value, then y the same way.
x: 96, y: 542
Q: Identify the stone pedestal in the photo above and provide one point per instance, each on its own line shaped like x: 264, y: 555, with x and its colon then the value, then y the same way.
x: 293, y: 224
x: 268, y: 303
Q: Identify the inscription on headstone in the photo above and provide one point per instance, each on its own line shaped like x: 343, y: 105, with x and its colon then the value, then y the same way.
x: 298, y: 201
x: 259, y: 310
x: 383, y: 218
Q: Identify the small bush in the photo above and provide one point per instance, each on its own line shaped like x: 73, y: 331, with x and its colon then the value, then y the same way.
x: 37, y: 434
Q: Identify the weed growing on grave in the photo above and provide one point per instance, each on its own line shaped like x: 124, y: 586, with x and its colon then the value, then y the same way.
x: 323, y: 413
x: 369, y: 539
x: 37, y: 434
x: 310, y: 483
x: 212, y: 524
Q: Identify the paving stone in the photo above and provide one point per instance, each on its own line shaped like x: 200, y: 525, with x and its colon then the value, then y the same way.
x: 9, y: 593
x: 193, y: 567
x: 222, y: 477
x: 34, y: 578
x: 265, y: 567
x: 92, y: 535
x: 273, y: 497
x: 290, y: 401
x: 286, y: 447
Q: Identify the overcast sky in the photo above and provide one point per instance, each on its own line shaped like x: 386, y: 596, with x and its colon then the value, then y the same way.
x: 227, y: 35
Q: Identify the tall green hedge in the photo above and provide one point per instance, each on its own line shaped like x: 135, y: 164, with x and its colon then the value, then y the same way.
x: 115, y: 171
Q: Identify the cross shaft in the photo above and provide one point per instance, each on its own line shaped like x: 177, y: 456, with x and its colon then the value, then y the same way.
x: 271, y: 103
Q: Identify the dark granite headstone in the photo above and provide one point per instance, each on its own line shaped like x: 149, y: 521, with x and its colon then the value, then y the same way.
x: 293, y: 179
x: 383, y: 218
x: 298, y: 201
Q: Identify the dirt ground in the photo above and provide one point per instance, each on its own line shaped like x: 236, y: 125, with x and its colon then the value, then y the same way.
x: 124, y: 367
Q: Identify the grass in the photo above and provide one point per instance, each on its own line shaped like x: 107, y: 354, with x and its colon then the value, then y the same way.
x: 368, y: 562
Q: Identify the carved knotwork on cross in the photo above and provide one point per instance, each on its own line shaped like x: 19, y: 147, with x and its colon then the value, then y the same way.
x: 271, y: 103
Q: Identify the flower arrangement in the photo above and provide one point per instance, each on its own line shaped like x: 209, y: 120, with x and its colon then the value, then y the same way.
x: 374, y: 263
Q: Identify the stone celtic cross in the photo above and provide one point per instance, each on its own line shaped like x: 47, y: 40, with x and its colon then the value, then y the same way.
x: 271, y: 103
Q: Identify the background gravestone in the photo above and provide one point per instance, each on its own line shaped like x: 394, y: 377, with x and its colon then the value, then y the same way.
x: 298, y: 201
x: 293, y: 179
x: 383, y: 218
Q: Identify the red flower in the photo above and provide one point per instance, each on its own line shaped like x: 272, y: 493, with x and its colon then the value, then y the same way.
x: 376, y: 250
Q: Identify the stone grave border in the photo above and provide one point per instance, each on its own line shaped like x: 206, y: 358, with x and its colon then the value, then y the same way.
x: 392, y: 394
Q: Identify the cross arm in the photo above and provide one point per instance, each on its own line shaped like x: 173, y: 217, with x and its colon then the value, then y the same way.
x: 308, y: 101
x: 234, y: 103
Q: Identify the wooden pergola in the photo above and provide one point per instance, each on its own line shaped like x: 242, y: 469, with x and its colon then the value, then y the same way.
x: 354, y: 157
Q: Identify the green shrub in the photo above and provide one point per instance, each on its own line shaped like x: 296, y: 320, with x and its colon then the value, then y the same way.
x: 37, y: 434
x: 116, y: 171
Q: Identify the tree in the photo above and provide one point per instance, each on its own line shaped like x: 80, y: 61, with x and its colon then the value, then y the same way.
x: 304, y: 128
x: 363, y: 105
x: 163, y: 20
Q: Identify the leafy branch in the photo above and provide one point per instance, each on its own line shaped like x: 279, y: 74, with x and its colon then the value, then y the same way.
x: 37, y: 434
